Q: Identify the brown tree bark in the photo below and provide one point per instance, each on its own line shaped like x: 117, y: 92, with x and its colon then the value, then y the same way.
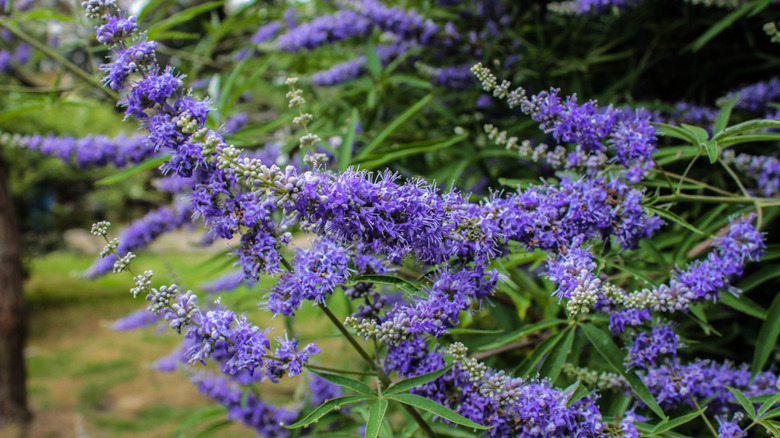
x: 13, y: 317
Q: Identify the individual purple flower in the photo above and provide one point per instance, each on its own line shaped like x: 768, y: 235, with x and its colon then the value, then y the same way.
x: 730, y: 428
x: 116, y: 29
x: 5, y: 61
x: 649, y: 347
x: 140, y: 56
x: 156, y: 88
x: 293, y: 359
x: 248, y: 346
x: 627, y: 426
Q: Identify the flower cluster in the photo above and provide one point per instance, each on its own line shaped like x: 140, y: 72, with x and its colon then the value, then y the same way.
x: 627, y: 134
x: 317, y: 272
x: 89, y: 151
x: 574, y: 273
x: 764, y: 169
x: 363, y: 222
x: 245, y: 407
x: 649, y: 347
x: 514, y: 407
x: 674, y: 384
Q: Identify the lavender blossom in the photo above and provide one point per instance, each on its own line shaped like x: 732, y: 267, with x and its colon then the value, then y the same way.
x: 513, y: 407
x: 764, y: 169
x: 317, y: 272
x: 756, y: 97
x: 266, y: 32
x: 356, y: 67
x: 245, y: 407
x: 89, y: 151
x: 227, y: 282
x: 673, y: 384
x: 135, y: 320
x: 649, y: 347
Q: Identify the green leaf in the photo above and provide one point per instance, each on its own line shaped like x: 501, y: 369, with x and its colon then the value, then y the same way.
x: 345, y: 150
x: 666, y: 214
x: 671, y: 424
x: 181, y: 17
x: 413, y: 382
x: 767, y: 336
x: 384, y: 279
x: 375, y: 416
x: 743, y: 401
x: 528, y: 365
x: 702, y: 137
x: 346, y: 382
x: 724, y: 115
x: 330, y: 405
x: 471, y: 331
x: 393, y: 155
x: 373, y: 64
x: 443, y: 429
x: 392, y: 126
x: 772, y: 414
x: 647, y: 429
x: 552, y: 365
x: 748, y: 138
x: 44, y: 14
x: 522, y: 333
x: 743, y: 304
x: 227, y: 87
x: 209, y: 430
x: 577, y: 391
x: 750, y: 125
x: 764, y: 274
x: 410, y: 80
x: 724, y: 23
x: 768, y: 404
x: 150, y: 163
x: 435, y: 408
x: 675, y: 131
x: 603, y: 343
x: 249, y: 135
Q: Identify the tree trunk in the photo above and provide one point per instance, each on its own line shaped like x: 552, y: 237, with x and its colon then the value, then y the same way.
x: 13, y: 318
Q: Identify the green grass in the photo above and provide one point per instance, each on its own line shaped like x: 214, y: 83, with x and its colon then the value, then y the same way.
x: 79, y: 368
